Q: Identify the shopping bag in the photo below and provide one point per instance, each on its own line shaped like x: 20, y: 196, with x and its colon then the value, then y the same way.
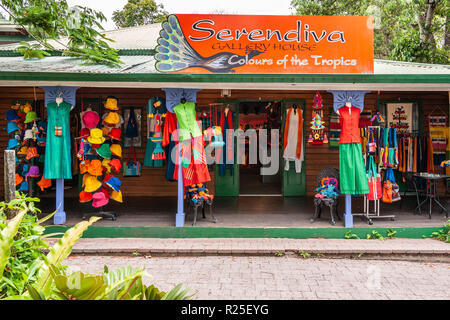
x: 374, y: 181
x: 132, y: 168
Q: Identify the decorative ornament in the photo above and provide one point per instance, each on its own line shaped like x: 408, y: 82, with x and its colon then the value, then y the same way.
x: 317, y: 136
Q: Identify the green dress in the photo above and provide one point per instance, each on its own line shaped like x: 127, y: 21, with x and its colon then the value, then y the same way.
x: 57, y: 152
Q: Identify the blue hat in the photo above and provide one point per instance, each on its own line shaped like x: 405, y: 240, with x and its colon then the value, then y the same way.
x: 114, y: 183
x: 12, y: 126
x: 11, y: 115
x: 12, y: 144
x: 24, y: 186
x: 25, y: 169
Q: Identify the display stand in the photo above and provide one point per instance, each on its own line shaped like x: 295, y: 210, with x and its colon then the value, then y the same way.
x: 173, y: 97
x: 104, y: 214
x: 69, y: 95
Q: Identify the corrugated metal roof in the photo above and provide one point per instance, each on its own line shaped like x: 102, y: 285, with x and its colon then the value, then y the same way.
x: 401, y: 67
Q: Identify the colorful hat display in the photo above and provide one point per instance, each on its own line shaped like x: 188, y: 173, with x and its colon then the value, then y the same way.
x: 90, y: 119
x: 12, y: 143
x: 28, y: 134
x: 85, y: 196
x: 116, y: 150
x: 114, y: 183
x: 104, y: 151
x: 19, y: 179
x: 11, y: 115
x: 31, y: 153
x: 116, y: 165
x: 44, y: 183
x: 111, y: 104
x: 33, y: 172
x: 96, y: 136
x: 99, y: 199
x: 91, y: 183
x: 24, y: 186
x: 84, y: 166
x: 31, y: 116
x: 117, y: 196
x: 111, y: 119
x: 11, y: 127
x: 115, y: 134
x: 27, y: 107
x: 95, y: 168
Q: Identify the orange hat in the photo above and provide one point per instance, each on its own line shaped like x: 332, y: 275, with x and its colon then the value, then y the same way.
x: 95, y: 168
x: 85, y: 196
x: 84, y: 166
x: 23, y: 150
x: 105, y: 131
x: 111, y: 119
x: 44, y: 183
x: 115, y: 164
x: 117, y: 196
x: 19, y: 179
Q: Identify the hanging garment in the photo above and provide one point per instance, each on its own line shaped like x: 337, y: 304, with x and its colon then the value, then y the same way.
x: 351, y: 164
x: 193, y: 159
x: 131, y: 130
x: 158, y: 152
x: 293, y: 139
x: 168, y: 142
x: 227, y: 151
x: 57, y: 164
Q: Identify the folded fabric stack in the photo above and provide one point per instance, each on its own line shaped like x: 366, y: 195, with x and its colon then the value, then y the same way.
x: 100, y: 156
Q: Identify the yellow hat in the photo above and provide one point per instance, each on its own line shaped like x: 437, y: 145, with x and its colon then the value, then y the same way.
x: 27, y: 107
x: 117, y: 196
x: 111, y: 104
x: 23, y: 150
x: 105, y: 163
x: 106, y: 131
x: 116, y: 150
x: 111, y: 118
x: 91, y: 183
x: 96, y: 136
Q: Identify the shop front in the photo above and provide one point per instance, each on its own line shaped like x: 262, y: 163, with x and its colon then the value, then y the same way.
x: 267, y: 115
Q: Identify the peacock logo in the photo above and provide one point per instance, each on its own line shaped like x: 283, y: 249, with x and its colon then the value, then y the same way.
x: 174, y: 53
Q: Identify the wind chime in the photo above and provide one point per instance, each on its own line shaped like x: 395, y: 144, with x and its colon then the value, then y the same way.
x: 317, y: 135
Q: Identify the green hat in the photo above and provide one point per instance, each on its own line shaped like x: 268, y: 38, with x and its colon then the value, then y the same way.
x: 31, y: 116
x: 104, y: 151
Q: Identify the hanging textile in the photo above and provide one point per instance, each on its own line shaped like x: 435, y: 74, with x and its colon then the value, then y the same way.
x: 168, y: 142
x: 317, y: 135
x: 293, y: 139
x: 439, y: 134
x: 227, y: 151
x: 335, y: 130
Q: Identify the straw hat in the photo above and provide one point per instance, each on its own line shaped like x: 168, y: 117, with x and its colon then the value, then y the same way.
x: 111, y: 104
x: 99, y: 199
x: 90, y: 119
x: 44, y: 183
x: 116, y: 150
x: 95, y: 168
x: 104, y: 151
x: 111, y: 119
x: 96, y: 136
x: 117, y: 196
x: 91, y: 183
x: 85, y: 196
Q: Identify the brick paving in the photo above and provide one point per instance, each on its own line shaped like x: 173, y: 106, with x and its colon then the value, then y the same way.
x: 265, y: 246
x: 287, y: 277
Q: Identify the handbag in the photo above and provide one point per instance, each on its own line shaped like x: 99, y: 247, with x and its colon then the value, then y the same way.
x: 372, y: 144
x: 391, y: 190
x: 132, y: 168
x: 374, y: 181
x: 131, y: 130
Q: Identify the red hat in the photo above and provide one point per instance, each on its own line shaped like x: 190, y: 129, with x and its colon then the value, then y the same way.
x: 90, y: 119
x: 115, y: 134
x: 106, y: 178
x: 85, y: 196
x: 115, y: 164
x: 106, y: 192
x: 84, y: 133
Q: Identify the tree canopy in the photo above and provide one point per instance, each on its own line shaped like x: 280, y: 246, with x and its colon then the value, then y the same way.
x: 138, y: 13
x: 405, y: 30
x: 75, y: 29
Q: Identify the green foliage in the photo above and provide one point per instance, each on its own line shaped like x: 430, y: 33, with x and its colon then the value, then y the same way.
x: 279, y: 254
x: 304, y: 254
x: 375, y: 235
x: 138, y: 13
x: 76, y: 29
x: 443, y: 234
x: 391, y: 233
x: 21, y: 244
x: 350, y: 235
x: 405, y: 30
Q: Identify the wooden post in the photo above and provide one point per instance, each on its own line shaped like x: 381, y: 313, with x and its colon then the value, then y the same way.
x: 10, y: 174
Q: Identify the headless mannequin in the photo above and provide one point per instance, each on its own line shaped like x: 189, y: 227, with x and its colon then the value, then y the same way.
x: 295, y: 108
x: 226, y: 110
x: 349, y: 105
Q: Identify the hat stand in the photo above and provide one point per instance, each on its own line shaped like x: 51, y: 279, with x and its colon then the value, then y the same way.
x: 69, y: 95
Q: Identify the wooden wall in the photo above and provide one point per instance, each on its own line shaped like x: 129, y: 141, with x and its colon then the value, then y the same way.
x: 153, y: 182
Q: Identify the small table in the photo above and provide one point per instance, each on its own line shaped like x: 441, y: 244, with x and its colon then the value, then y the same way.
x: 432, y: 194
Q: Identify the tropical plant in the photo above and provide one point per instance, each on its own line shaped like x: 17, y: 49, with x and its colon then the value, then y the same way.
x: 375, y: 235
x: 443, y: 234
x: 26, y: 273
x: 391, y: 233
x: 350, y: 235
x: 72, y: 31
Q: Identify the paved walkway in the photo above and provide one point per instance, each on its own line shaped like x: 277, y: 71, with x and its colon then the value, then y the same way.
x: 264, y: 246
x: 288, y: 277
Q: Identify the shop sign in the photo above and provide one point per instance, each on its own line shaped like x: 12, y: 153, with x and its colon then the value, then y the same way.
x: 197, y: 43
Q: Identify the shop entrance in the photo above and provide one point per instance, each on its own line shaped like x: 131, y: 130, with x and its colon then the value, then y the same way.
x: 246, y: 179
